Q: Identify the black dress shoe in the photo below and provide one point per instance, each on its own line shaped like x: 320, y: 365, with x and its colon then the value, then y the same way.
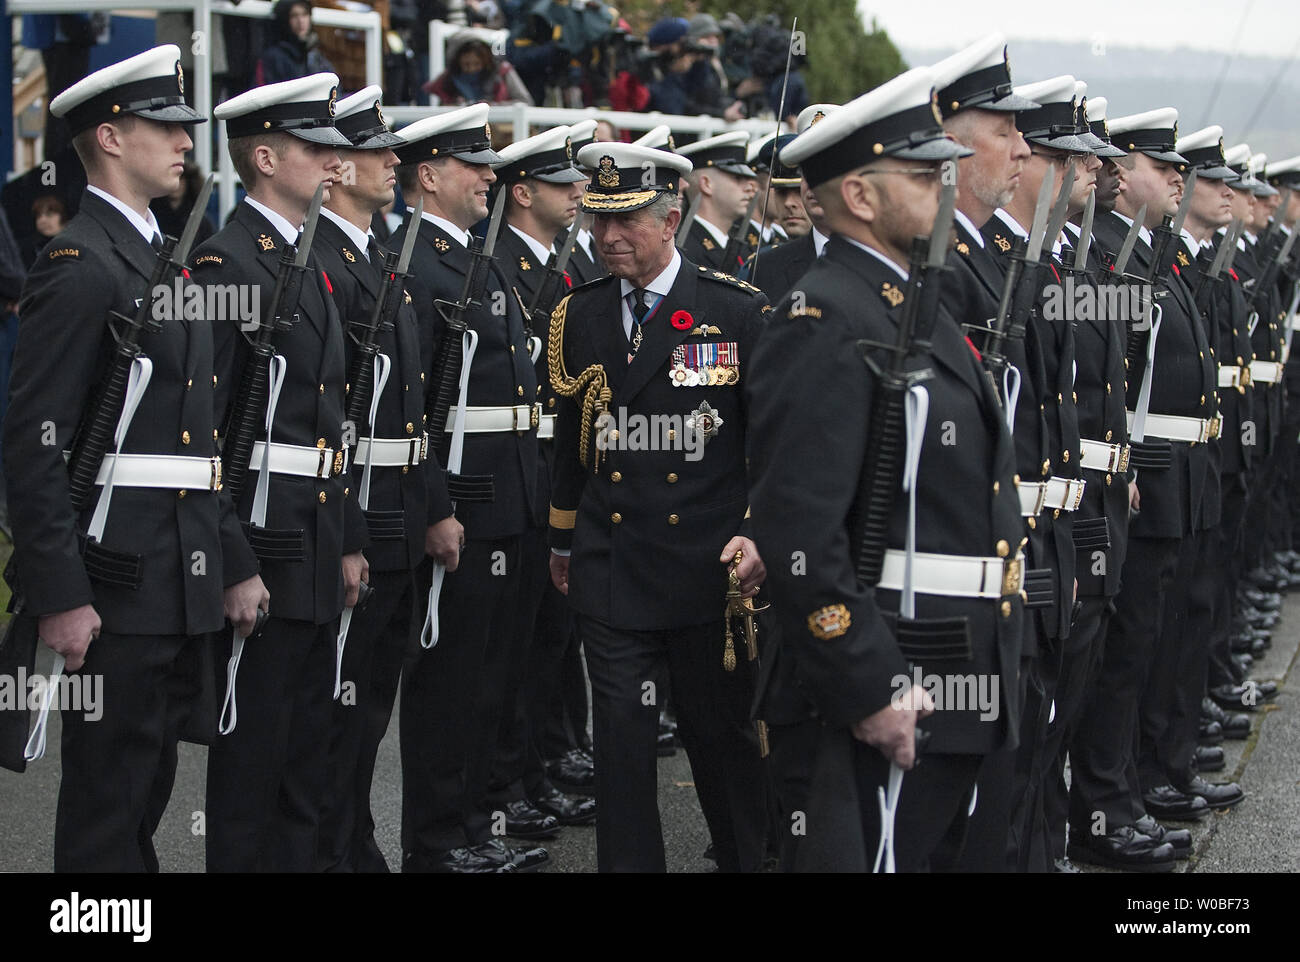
x: 573, y: 769
x: 667, y: 724
x: 568, y: 809
x: 459, y: 861
x: 1210, y: 759
x: 1265, y: 601
x: 1215, y: 796
x: 1265, y: 689
x: 525, y: 821
x: 1234, y: 724
x: 1235, y: 697
x: 1124, y: 848
x: 666, y: 746
x: 1243, y: 663
x: 1179, y: 839
x: 520, y: 859
x: 1210, y: 732
x: 1167, y: 802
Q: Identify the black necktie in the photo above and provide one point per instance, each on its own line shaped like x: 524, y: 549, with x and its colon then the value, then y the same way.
x: 375, y: 252
x: 639, y: 310
x: 156, y: 242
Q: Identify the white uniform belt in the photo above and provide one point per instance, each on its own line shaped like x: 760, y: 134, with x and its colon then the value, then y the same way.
x: 1266, y: 372
x: 1065, y: 494
x: 955, y: 575
x: 174, y: 471
x: 491, y: 420
x: 546, y: 429
x: 1232, y: 375
x: 1172, y: 427
x: 299, y: 460
x: 1100, y: 456
x: 392, y: 452
x: 1033, y: 498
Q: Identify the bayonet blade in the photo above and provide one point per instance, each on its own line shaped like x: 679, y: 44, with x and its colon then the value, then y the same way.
x: 1232, y: 241
x: 1039, y: 226
x: 309, y: 227
x: 1060, y: 210
x: 688, y: 218
x: 570, y: 243
x: 1130, y: 241
x: 494, y: 225
x: 412, y: 229
x: 192, y: 225
x: 1285, y: 252
x: 942, y: 232
x: 1221, y: 255
x: 1185, y: 206
x: 1085, y: 232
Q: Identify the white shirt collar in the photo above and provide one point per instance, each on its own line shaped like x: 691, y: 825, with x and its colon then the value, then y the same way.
x: 1144, y: 233
x: 771, y: 230
x: 148, y: 227
x: 661, y: 285
x: 1192, y: 243
x: 969, y: 224
x: 1013, y: 225
x: 819, y: 241
x: 460, y: 236
x: 540, y: 252
x: 360, y: 238
x: 278, y: 221
x: 1074, y: 229
x: 718, y: 235
x: 879, y: 256
x: 1223, y: 232
x: 584, y: 238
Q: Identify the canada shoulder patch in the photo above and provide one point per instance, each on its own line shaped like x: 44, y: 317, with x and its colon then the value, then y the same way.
x: 208, y: 259
x: 54, y: 255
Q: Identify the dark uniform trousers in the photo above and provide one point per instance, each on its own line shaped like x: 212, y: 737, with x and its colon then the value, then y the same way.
x: 267, y: 779
x: 453, y: 695
x: 185, y: 546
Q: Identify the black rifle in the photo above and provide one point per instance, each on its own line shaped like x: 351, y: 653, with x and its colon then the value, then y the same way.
x: 731, y: 253
x: 361, y: 378
x: 248, y: 407
x: 879, y: 483
x: 447, y: 363
x: 537, y: 313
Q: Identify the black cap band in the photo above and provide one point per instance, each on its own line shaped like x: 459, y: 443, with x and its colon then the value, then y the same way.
x: 468, y: 140
x: 306, y: 115
x: 149, y: 94
x: 538, y: 164
x: 1047, y: 122
x: 978, y: 87
x: 1153, y: 140
x: 907, y: 128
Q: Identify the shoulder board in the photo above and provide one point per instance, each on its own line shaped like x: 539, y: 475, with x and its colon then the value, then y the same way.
x: 207, y: 259
x: 64, y: 252
x: 806, y: 311
x: 593, y: 283
x: 717, y: 275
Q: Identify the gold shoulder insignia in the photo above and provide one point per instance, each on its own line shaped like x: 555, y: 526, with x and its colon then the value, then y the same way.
x: 1001, y: 243
x: 408, y: 295
x: 707, y: 243
x: 524, y: 265
x: 65, y: 252
x: 829, y: 622
x: 804, y: 312
x: 208, y: 259
x: 264, y: 241
x: 590, y: 388
x: 351, y: 257
x: 1183, y: 259
x: 963, y: 248
x: 441, y: 245
x: 892, y: 294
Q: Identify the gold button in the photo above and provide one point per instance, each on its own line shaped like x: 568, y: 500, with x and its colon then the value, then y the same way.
x: 189, y: 383
x: 214, y: 434
x: 1047, y: 467
x: 346, y: 491
x: 1076, y: 396
x: 1003, y: 549
x: 214, y: 380
x: 672, y: 477
x: 421, y: 375
x: 1109, y: 434
x: 1273, y: 355
x: 181, y: 493
x: 1108, y: 387
x: 1240, y: 362
x: 320, y: 442
x: 520, y: 390
x: 996, y: 487
x: 1108, y: 479
x: 322, y: 497
x: 406, y: 387
x: 550, y: 402
x: 1006, y: 609
x: 1015, y: 478
x: 673, y: 519
x: 1060, y: 398
x: 672, y: 434
x: 321, y: 388
x: 1202, y: 353
x: 1033, y: 523
x: 410, y: 428
x: 1065, y: 455
x: 616, y: 476
x: 512, y: 349
x: 1056, y: 513
x: 1202, y: 398
x: 613, y: 435
x: 185, y: 437
x: 616, y: 518
x: 1126, y: 363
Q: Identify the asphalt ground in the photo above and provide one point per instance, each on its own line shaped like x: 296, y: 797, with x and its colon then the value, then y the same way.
x: 1259, y: 835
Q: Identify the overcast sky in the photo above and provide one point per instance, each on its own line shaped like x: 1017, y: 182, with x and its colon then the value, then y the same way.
x: 1267, y: 27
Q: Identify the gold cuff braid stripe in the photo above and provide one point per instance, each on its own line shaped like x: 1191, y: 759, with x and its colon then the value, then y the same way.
x: 591, y: 383
x: 563, y: 520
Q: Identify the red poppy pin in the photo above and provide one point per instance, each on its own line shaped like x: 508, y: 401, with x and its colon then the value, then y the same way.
x: 682, y: 320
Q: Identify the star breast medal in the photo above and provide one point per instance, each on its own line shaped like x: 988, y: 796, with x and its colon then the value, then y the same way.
x: 705, y: 421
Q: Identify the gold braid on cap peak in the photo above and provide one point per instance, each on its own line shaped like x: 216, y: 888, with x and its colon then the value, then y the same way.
x: 592, y: 383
